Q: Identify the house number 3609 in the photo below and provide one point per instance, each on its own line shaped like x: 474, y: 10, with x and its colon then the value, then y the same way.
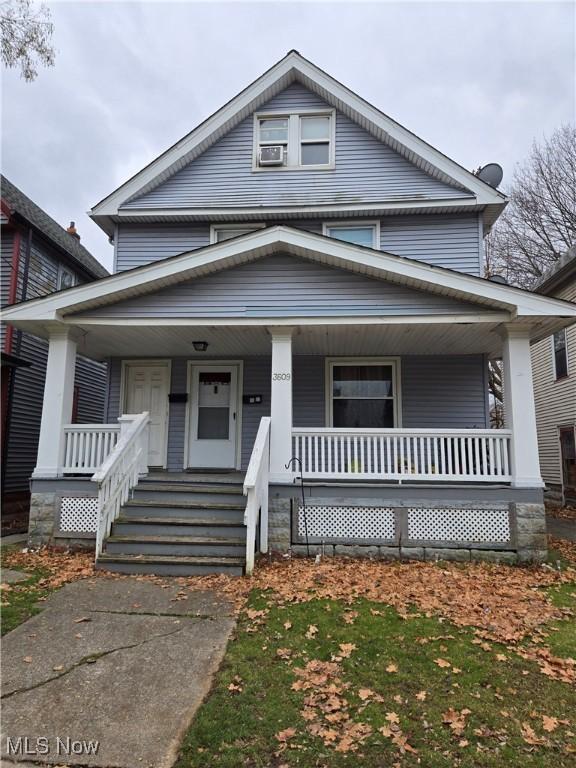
x: 281, y: 376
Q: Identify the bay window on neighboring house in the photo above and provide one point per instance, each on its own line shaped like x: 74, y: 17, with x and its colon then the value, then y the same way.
x: 560, y: 354
x: 363, y: 394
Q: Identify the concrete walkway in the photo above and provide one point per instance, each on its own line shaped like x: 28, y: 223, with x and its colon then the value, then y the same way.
x: 121, y: 662
x: 561, y: 528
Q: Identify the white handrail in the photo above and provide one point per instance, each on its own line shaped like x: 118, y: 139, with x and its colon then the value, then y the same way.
x: 87, y: 446
x: 256, y: 491
x: 455, y: 455
x: 121, y: 471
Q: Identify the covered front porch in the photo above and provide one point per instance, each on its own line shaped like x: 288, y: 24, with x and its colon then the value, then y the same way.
x: 347, y: 402
x: 298, y: 359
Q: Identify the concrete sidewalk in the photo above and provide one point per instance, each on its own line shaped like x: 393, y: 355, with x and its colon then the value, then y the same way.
x: 122, y: 662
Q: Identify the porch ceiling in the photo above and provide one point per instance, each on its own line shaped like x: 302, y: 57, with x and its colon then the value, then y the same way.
x: 104, y: 341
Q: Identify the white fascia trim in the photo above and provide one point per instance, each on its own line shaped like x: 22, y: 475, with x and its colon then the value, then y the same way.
x: 488, y: 317
x: 287, y: 69
x: 336, y: 252
x: 275, y: 211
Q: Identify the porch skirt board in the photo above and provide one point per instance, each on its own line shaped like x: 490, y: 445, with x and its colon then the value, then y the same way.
x: 507, y: 532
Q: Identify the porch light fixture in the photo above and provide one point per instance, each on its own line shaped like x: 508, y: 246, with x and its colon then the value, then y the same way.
x: 200, y: 346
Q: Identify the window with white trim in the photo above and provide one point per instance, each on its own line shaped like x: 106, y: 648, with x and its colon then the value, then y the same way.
x: 218, y: 233
x: 363, y: 394
x: 66, y: 278
x: 560, y: 353
x: 306, y: 140
x: 358, y: 233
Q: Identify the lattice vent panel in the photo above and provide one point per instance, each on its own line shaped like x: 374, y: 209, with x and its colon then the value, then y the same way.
x: 326, y: 522
x: 78, y: 514
x: 462, y: 525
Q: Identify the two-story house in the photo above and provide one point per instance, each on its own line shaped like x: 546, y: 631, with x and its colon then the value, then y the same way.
x: 37, y: 257
x: 298, y: 336
x: 554, y: 369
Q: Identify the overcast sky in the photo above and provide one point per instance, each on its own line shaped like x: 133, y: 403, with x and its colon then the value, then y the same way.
x: 479, y: 81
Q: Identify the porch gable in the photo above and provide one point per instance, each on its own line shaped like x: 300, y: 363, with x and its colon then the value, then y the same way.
x: 283, y: 285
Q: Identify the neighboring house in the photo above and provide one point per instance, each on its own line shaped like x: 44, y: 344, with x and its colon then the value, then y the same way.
x: 297, y: 287
x: 554, y: 370
x: 37, y: 257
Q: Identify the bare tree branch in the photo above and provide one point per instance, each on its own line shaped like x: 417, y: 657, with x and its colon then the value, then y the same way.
x: 26, y: 32
x: 539, y: 224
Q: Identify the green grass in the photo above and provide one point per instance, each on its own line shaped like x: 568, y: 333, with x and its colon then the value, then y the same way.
x: 22, y: 600
x: 235, y: 729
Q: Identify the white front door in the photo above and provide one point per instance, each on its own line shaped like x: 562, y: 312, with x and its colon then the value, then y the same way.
x: 147, y: 386
x: 214, y: 417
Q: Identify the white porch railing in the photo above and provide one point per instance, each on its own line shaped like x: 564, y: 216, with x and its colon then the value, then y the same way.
x: 87, y: 446
x: 478, y: 455
x: 120, y: 472
x: 256, y: 491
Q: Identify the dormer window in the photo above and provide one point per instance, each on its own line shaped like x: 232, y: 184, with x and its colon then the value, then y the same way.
x: 297, y: 140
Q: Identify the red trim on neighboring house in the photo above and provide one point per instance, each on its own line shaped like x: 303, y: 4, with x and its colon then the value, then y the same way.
x: 5, y: 208
x: 13, y: 290
x: 8, y: 338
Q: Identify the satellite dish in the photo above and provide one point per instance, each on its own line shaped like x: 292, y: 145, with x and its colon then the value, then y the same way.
x: 491, y: 174
x: 498, y: 279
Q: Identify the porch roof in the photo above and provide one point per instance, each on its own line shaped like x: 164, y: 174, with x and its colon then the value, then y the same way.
x: 496, y: 303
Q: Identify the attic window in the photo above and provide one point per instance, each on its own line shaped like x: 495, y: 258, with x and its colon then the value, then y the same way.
x: 297, y: 140
x: 366, y: 233
x: 221, y: 232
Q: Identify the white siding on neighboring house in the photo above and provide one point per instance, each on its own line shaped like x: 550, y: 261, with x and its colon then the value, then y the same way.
x: 555, y: 400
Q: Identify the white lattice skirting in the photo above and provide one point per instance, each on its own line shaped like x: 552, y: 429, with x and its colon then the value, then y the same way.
x: 326, y: 522
x: 459, y: 525
x: 78, y: 514
x: 435, y: 526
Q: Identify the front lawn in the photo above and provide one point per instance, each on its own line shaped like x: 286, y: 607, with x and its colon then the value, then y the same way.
x: 365, y: 664
x: 48, y: 569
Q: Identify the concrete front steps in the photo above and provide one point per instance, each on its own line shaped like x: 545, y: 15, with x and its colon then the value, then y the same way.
x: 178, y: 529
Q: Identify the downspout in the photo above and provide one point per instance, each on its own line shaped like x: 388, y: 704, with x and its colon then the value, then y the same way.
x: 17, y: 347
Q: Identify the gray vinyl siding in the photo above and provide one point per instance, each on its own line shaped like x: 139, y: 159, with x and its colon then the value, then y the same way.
x: 437, y: 392
x: 447, y: 391
x: 90, y: 379
x: 177, y: 415
x: 138, y: 244
x: 555, y: 400
x: 284, y: 286
x: 366, y: 170
x: 452, y: 241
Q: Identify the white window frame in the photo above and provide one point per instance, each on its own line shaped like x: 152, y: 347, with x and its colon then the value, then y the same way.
x: 395, y: 362
x: 62, y: 270
x: 553, y: 349
x: 215, y: 228
x: 359, y: 224
x: 293, y: 149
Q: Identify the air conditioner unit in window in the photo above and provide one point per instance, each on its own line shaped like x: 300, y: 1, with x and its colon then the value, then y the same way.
x: 271, y: 155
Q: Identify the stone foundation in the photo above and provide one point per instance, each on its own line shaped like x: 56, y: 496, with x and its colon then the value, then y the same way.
x: 42, y: 519
x: 528, y: 540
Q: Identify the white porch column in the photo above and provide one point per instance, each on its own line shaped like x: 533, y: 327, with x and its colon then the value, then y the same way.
x: 519, y: 411
x: 281, y: 405
x: 58, y: 401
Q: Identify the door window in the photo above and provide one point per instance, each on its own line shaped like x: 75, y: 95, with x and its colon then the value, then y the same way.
x: 214, y: 389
